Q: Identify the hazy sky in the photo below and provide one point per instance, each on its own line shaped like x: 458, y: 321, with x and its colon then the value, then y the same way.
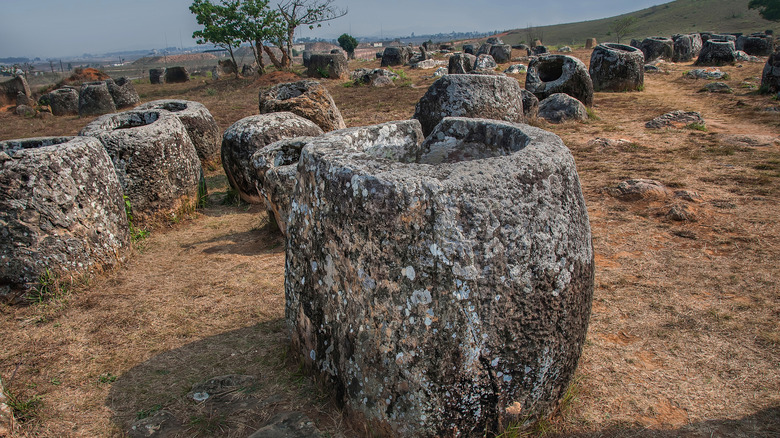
x: 53, y: 28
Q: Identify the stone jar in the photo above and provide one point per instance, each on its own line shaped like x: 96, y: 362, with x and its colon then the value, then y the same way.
x: 308, y: 99
x: 552, y: 74
x: 439, y: 287
x: 617, y: 67
x: 61, y: 212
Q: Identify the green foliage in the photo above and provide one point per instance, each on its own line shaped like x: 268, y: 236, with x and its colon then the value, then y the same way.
x: 348, y: 43
x: 22, y: 409
x: 136, y: 235
x: 697, y: 126
x: 622, y: 26
x: 220, y: 22
x: 592, y: 114
x: 768, y: 9
x: 48, y: 288
x: 146, y: 413
x: 323, y: 73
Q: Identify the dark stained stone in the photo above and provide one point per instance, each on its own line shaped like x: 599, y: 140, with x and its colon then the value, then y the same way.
x: 717, y: 53
x: 308, y: 99
x: 657, y: 48
x: 331, y: 66
x: 561, y: 107
x: 95, y: 99
x: 552, y: 74
x: 461, y: 63
x: 176, y: 75
x: 617, y: 67
x: 64, y: 101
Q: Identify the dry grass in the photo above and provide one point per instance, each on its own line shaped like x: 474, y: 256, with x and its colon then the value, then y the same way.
x: 684, y: 337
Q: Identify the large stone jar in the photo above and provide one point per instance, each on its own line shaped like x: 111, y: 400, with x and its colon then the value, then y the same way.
x: 61, y: 212
x: 552, y: 74
x: 617, y: 67
x: 155, y: 160
x: 440, y: 287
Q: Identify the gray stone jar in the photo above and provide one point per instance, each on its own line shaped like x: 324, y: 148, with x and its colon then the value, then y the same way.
x: 443, y: 287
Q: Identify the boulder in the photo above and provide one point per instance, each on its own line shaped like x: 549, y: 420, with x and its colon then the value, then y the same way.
x: 591, y: 43
x: 495, y: 41
x: 770, y: 77
x: 276, y: 168
x: 617, y: 67
x: 25, y: 111
x: 484, y: 49
x: 332, y: 66
x: 441, y: 71
x: 11, y: 88
x: 530, y: 104
x: 247, y: 70
x: 561, y: 107
x: 744, y: 57
x: 156, y: 75
x: 470, y: 49
x: 61, y: 212
x: 176, y: 75
x: 552, y: 74
x: 756, y: 44
x: 718, y: 87
x: 485, y: 62
x: 686, y: 47
x: 123, y: 92
x: 477, y: 96
x: 461, y: 63
x: 426, y: 64
x: 308, y: 99
x: 95, y: 99
x: 250, y: 134
x: 565, y: 49
x: 23, y: 99
x: 717, y: 53
x: 502, y: 53
x: 155, y: 161
x: 64, y: 101
x: 378, y: 77
x: 439, y: 288
x: 539, y: 50
x: 705, y: 73
x: 200, y: 124
x: 516, y: 69
x: 657, y: 48
x: 640, y: 189
x: 396, y: 56
x: 675, y: 119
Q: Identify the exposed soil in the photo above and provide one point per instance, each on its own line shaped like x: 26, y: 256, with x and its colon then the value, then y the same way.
x: 684, y: 338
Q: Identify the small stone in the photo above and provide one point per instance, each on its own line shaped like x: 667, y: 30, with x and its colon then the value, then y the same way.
x: 152, y: 426
x: 640, y: 189
x: 718, y: 87
x: 288, y: 425
x: 676, y: 119
x: 681, y: 213
x: 561, y: 107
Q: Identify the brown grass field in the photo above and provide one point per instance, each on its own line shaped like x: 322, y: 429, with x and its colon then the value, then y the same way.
x: 684, y: 337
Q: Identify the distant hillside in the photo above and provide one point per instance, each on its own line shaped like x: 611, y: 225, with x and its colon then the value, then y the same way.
x: 667, y: 19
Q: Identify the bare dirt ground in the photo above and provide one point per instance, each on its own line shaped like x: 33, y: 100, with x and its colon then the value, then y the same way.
x: 684, y: 338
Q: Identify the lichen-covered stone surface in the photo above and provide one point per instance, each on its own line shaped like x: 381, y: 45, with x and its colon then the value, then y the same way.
x: 333, y: 66
x: 480, y: 96
x: 461, y: 63
x: 552, y: 74
x: 249, y: 135
x: 200, y: 124
x: 717, y: 53
x: 675, y: 119
x: 657, y: 47
x: 444, y: 288
x: 64, y: 101
x: 154, y: 158
x: 95, y: 99
x: 770, y: 77
x: 561, y: 107
x: 530, y: 104
x: 11, y: 88
x: 308, y: 99
x: 61, y: 210
x: 686, y: 47
x: 123, y: 92
x: 756, y: 44
x: 617, y: 67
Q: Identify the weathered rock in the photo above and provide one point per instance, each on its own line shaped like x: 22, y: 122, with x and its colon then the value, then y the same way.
x: 565, y: 49
x: 156, y: 75
x: 378, y: 77
x: 23, y: 99
x: 470, y: 49
x: 705, y: 73
x: 707, y: 36
x: 495, y: 41
x: 396, y: 56
x: 561, y: 107
x: 675, y: 119
x: 552, y: 74
x: 717, y: 53
x: 650, y: 68
x: 152, y: 426
x: 95, y: 99
x: 440, y: 293
x: 176, y: 75
x: 247, y: 70
x: 485, y: 62
x: 426, y: 64
x: 591, y: 43
x: 155, y: 160
x: 657, y: 48
x: 640, y: 189
x: 441, y: 71
x: 718, y: 87
x: 61, y: 212
x: 770, y: 77
x: 276, y: 167
x: 484, y: 49
x: 250, y: 134
x: 530, y: 104
x: 288, y: 425
x: 501, y: 53
x: 332, y: 66
x: 686, y: 47
x: 744, y: 57
x: 201, y: 125
x: 478, y: 96
x: 682, y: 213
x: 11, y: 88
x: 308, y: 99
x: 64, y: 101
x: 25, y: 111
x: 539, y: 50
x: 204, y: 390
x: 123, y: 92
x: 756, y: 44
x: 617, y: 67
x: 7, y: 422
x: 523, y: 48
x: 461, y: 63
x: 516, y: 69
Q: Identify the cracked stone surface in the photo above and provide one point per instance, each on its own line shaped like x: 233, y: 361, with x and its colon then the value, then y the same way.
x: 439, y: 287
x: 308, y: 99
x: 550, y: 74
x: 617, y: 67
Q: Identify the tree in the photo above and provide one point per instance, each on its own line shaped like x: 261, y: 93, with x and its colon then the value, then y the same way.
x: 349, y: 44
x: 622, y: 27
x: 296, y: 13
x: 221, y: 24
x: 258, y: 25
x: 768, y: 9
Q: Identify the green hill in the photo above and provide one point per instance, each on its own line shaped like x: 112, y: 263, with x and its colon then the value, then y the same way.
x: 679, y: 16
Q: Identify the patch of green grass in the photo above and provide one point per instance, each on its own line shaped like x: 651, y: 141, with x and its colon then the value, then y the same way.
x: 697, y: 126
x: 49, y: 288
x: 136, y: 235
x: 107, y: 378
x: 232, y: 197
x: 23, y: 410
x: 348, y: 84
x: 146, y: 413
x: 323, y: 73
x: 592, y: 114
x: 211, y: 92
